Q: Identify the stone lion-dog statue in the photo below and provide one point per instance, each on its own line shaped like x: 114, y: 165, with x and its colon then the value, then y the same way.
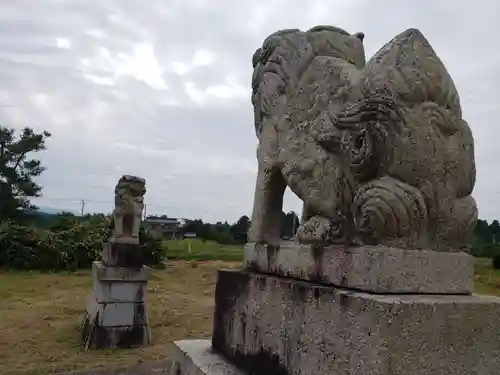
x: 129, y: 204
x: 378, y: 152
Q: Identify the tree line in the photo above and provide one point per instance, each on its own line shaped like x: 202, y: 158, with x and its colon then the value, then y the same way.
x: 485, y: 241
x: 236, y: 233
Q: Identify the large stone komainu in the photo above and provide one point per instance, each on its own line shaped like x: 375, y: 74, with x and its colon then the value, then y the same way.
x: 378, y: 152
x: 384, y: 164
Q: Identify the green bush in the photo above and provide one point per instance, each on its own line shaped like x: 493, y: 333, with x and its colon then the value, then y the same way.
x: 17, y: 246
x: 485, y: 250
x: 495, y: 262
x: 70, y: 243
x: 155, y: 251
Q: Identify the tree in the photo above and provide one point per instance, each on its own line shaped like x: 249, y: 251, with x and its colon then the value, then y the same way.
x: 240, y: 229
x: 17, y: 171
x: 485, y: 241
x: 289, y: 224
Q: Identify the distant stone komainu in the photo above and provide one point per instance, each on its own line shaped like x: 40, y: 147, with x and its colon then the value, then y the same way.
x: 378, y: 152
x: 129, y: 204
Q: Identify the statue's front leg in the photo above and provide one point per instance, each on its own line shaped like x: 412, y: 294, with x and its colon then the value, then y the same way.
x: 325, y: 187
x: 267, y: 208
x: 118, y: 224
x: 136, y: 226
x: 306, y: 213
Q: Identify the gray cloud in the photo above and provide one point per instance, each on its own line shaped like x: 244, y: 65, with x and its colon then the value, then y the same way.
x: 162, y: 90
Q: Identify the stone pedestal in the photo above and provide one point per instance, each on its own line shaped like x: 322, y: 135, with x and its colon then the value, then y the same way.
x: 266, y: 323
x: 376, y: 269
x: 116, y: 254
x: 116, y: 315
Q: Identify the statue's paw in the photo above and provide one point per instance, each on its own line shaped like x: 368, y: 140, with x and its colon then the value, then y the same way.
x: 320, y: 230
x: 313, y: 230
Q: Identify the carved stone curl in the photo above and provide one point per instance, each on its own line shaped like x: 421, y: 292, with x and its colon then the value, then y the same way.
x: 378, y: 153
x: 391, y: 211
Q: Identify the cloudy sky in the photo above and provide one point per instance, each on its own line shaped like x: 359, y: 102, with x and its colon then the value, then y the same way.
x: 161, y: 89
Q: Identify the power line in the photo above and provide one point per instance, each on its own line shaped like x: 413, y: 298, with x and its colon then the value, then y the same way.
x: 112, y: 202
x: 195, y: 211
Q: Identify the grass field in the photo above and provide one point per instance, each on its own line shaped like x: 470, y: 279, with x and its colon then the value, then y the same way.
x: 41, y: 313
x: 486, y: 279
x: 196, y: 249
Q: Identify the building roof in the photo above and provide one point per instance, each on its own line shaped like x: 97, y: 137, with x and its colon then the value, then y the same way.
x: 158, y: 220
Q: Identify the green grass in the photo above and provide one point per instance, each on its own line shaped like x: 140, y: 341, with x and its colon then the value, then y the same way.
x: 486, y: 279
x: 196, y: 249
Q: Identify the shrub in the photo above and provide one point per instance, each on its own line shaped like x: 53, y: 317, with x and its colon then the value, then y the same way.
x: 69, y: 243
x: 495, y: 262
x: 17, y: 246
x: 155, y: 251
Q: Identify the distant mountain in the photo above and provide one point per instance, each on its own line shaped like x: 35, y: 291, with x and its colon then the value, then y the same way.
x: 54, y: 211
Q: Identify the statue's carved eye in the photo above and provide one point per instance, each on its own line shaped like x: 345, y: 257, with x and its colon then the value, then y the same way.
x: 359, y: 141
x: 351, y: 61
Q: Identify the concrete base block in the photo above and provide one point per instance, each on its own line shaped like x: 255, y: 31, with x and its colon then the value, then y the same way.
x: 375, y: 269
x: 109, y: 292
x: 96, y: 336
x: 105, y: 273
x: 112, y: 286
x: 196, y: 357
x: 116, y: 314
x: 269, y: 325
x: 117, y: 254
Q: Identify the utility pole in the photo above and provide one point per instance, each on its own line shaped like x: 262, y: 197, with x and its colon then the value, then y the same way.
x: 83, y: 207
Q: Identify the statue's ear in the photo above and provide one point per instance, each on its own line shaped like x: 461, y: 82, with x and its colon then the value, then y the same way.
x: 360, y: 36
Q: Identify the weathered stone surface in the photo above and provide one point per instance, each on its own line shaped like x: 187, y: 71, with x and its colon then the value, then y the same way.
x: 100, y: 337
x: 114, y: 314
x: 103, y: 273
x: 117, y: 313
x: 115, y: 325
x: 327, y: 60
x: 270, y: 325
x: 379, y: 153
x: 377, y: 269
x: 119, y: 292
x: 196, y: 357
x: 129, y: 204
x: 116, y: 254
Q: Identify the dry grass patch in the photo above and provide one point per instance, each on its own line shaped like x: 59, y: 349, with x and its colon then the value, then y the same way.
x: 41, y: 314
